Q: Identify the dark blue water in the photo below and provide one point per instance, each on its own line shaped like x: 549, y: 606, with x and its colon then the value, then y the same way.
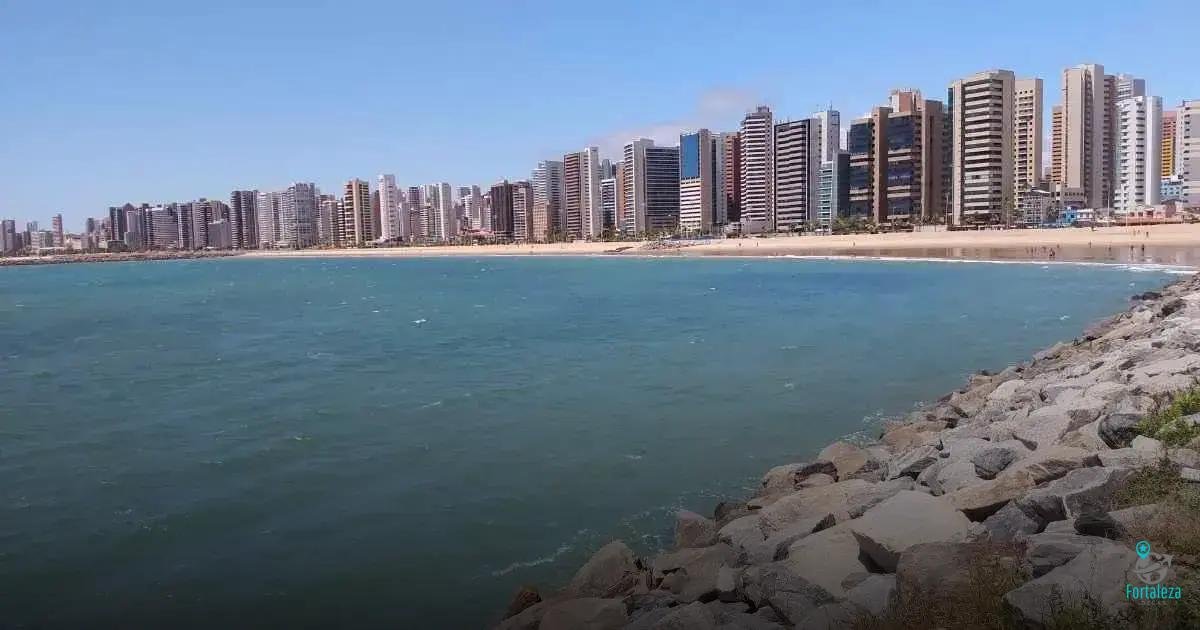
x: 306, y: 443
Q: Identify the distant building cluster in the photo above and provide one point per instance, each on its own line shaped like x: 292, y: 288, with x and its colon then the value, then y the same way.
x: 973, y: 160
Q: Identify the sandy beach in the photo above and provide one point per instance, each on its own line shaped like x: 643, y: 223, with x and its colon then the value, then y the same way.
x: 1173, y: 244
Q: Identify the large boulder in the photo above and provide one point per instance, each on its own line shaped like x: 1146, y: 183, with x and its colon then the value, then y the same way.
x: 952, y: 476
x: 588, y: 613
x: 811, y: 503
x: 874, y: 594
x: 1081, y: 490
x: 846, y: 458
x: 911, y: 462
x: 691, y: 574
x: 609, y: 567
x: 528, y: 619
x: 1047, y: 551
x: 779, y: 480
x: 943, y: 570
x: 909, y: 518
x: 912, y: 435
x: 981, y: 500
x: 778, y: 585
x: 1118, y: 428
x: 991, y: 461
x: 1047, y: 425
x: 827, y: 558
x: 1097, y: 575
x: 1047, y: 464
x: 695, y: 615
x: 526, y: 597
x: 693, y: 530
x: 833, y: 616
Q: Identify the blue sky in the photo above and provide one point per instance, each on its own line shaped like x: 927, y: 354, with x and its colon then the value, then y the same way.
x: 107, y: 102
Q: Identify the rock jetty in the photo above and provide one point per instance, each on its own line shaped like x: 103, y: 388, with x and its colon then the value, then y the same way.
x: 1000, y: 496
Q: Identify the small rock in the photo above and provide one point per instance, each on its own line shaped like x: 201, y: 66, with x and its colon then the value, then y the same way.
x: 693, y: 572
x: 1009, y: 524
x: 1148, y: 445
x: 980, y: 501
x: 1049, y: 550
x: 1080, y: 491
x: 989, y: 462
x: 1191, y: 475
x: 1186, y: 457
x: 811, y: 503
x: 727, y: 511
x: 912, y: 462
x: 780, y: 586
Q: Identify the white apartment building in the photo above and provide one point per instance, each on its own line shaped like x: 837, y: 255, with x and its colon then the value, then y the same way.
x: 1187, y: 150
x: 1139, y: 152
x: 390, y: 226
x: 697, y: 181
x: 758, y: 168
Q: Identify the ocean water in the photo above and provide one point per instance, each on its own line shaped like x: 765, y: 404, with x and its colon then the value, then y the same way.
x: 402, y: 443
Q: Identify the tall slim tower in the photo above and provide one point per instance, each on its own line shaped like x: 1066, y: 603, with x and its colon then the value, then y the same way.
x: 758, y: 168
x: 731, y: 168
x: 243, y: 218
x: 792, y: 181
x: 1168, y: 143
x: 355, y: 224
x: 548, y: 184
x: 1088, y: 109
x: 1027, y: 137
x: 592, y: 220
x: 1187, y: 150
x: 391, y: 228
x: 981, y: 152
x: 698, y: 186
x: 298, y: 216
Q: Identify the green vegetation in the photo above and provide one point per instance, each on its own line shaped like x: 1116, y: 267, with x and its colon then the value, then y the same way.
x: 1167, y: 424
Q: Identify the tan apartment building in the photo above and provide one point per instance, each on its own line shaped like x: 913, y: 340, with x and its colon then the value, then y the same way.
x: 1027, y: 137
x: 981, y: 151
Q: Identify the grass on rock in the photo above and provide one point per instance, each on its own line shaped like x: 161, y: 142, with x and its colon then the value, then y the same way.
x: 1167, y: 424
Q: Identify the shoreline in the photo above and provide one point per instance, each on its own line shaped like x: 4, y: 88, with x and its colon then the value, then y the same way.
x: 1028, y: 470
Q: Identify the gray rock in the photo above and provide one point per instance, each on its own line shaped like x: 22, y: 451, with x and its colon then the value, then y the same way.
x: 846, y: 458
x: 1190, y: 475
x: 874, y: 594
x: 833, y: 616
x: 1009, y: 524
x: 744, y: 535
x: 1048, y: 464
x: 727, y: 581
x: 781, y: 587
x: 811, y: 503
x: 979, y: 501
x: 1185, y: 457
x: 693, y: 616
x: 909, y: 436
x: 943, y: 570
x: 909, y: 518
x: 1124, y: 458
x: 912, y: 462
x: 727, y: 511
x: 528, y: 619
x: 1060, y: 527
x: 779, y: 480
x: 990, y: 461
x: 812, y: 481
x: 1080, y: 491
x: 1099, y: 573
x: 776, y: 546
x: 693, y: 573
x: 609, y: 567
x: 1098, y: 524
x: 861, y: 499
x: 1118, y: 429
x: 1153, y: 448
x: 693, y: 530
x: 827, y: 558
x: 1046, y: 551
x: 954, y: 475
x: 588, y: 613
x: 1131, y: 517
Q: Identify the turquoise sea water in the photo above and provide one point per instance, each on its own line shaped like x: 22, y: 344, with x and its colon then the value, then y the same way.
x: 402, y: 443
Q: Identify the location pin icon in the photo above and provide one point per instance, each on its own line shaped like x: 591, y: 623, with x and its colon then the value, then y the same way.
x: 1143, y: 549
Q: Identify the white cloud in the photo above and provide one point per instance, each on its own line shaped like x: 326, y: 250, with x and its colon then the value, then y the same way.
x: 717, y: 109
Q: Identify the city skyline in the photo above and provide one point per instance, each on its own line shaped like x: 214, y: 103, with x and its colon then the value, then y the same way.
x: 97, y: 108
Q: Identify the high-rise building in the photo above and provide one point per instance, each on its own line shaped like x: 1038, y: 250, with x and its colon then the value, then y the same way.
x: 1128, y: 86
x: 268, y: 206
x: 548, y: 184
x: 1057, y: 138
x: 827, y: 130
x: 981, y: 151
x: 56, y: 227
x: 698, y: 181
x: 117, y: 217
x: 794, y: 153
x: 1187, y: 151
x: 165, y: 222
x: 445, y: 212
x: 651, y: 188
x: 1086, y: 145
x: 328, y: 212
x: 522, y: 210
x: 1167, y: 143
x: 243, y: 218
x: 8, y: 236
x: 833, y: 190
x: 608, y: 203
x: 731, y: 167
x: 619, y: 221
x: 390, y: 226
x: 355, y: 224
x: 1139, y: 154
x: 866, y: 144
x: 299, y: 215
x: 592, y: 171
x: 1027, y: 137
x: 502, y: 209
x: 757, y: 208
x: 573, y: 195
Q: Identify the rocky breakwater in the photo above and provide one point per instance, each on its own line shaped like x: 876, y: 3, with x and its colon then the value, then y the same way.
x: 999, y: 500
